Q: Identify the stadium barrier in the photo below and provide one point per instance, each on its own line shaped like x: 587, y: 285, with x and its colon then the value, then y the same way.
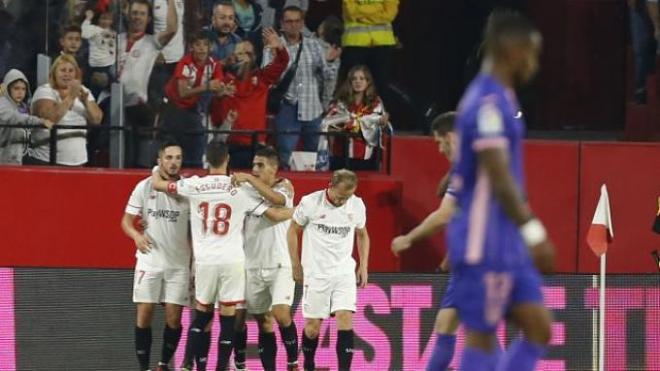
x: 83, y: 319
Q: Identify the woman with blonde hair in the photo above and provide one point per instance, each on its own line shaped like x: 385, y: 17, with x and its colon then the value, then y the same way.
x: 64, y: 101
x: 358, y: 111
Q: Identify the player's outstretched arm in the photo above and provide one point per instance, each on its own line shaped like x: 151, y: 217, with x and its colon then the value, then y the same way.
x: 142, y: 241
x: 494, y: 162
x: 363, y: 251
x: 292, y: 240
x: 431, y: 224
x: 279, y: 214
x: 275, y: 198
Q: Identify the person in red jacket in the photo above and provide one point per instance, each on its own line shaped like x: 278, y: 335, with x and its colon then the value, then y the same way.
x: 250, y: 90
x: 196, y: 76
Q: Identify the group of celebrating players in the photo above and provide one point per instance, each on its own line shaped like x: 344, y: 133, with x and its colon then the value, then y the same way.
x: 245, y: 251
x: 245, y: 233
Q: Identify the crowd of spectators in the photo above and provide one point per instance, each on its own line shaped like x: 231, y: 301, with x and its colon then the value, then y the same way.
x: 189, y: 66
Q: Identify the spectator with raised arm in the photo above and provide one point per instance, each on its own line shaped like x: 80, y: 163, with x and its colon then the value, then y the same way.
x: 137, y: 54
x: 170, y: 54
x: 64, y: 101
x: 250, y: 87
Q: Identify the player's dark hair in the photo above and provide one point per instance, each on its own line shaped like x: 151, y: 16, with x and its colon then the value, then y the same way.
x: 217, y: 153
x: 344, y: 176
x: 270, y: 153
x: 443, y: 123
x: 506, y: 26
x: 166, y: 144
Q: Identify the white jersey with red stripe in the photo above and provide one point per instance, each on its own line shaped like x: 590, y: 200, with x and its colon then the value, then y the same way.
x: 329, y: 234
x: 136, y: 60
x: 166, y: 218
x: 218, y: 211
x: 265, y: 241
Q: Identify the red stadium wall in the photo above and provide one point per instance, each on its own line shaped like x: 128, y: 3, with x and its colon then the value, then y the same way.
x: 563, y: 179
x: 56, y: 217
x: 632, y: 175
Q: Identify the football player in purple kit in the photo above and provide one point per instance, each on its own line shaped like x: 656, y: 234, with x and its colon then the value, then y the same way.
x: 494, y: 240
x: 447, y: 321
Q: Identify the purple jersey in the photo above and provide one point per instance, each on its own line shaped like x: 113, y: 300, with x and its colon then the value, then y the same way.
x: 480, y: 232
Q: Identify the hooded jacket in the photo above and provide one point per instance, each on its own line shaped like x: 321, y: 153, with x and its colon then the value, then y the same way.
x: 13, y: 141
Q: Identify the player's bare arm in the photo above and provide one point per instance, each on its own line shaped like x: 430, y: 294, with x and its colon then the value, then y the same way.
x: 171, y: 25
x: 142, y: 241
x: 279, y: 214
x: 273, y: 197
x: 444, y: 265
x: 160, y: 184
x: 494, y: 162
x: 431, y: 224
x: 363, y: 251
x: 292, y: 240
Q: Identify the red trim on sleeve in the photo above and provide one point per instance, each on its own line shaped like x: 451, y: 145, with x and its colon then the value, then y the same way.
x: 171, y: 187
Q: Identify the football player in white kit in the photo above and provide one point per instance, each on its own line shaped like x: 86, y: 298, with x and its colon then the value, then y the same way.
x: 330, y: 219
x: 270, y: 286
x: 218, y: 212
x: 163, y: 256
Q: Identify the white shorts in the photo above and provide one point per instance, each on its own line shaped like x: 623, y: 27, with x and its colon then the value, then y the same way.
x: 162, y: 286
x: 326, y: 295
x: 268, y: 287
x: 224, y: 283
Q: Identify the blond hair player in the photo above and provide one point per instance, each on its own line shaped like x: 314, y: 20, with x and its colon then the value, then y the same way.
x: 329, y: 220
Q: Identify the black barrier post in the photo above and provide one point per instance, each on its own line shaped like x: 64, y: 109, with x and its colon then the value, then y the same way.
x: 345, y: 148
x: 52, y: 140
x: 388, y: 148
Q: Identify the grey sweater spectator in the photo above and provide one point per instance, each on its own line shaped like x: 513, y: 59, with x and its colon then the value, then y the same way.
x: 14, y: 110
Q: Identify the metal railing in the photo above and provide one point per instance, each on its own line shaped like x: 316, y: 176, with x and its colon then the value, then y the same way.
x: 127, y: 134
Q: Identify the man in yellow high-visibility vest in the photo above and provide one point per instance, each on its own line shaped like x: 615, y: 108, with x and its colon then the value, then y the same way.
x: 368, y: 38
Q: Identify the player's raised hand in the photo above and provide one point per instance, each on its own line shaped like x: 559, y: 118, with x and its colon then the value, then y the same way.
x: 143, y: 243
x: 399, y: 244
x: 362, y: 277
x: 297, y: 273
